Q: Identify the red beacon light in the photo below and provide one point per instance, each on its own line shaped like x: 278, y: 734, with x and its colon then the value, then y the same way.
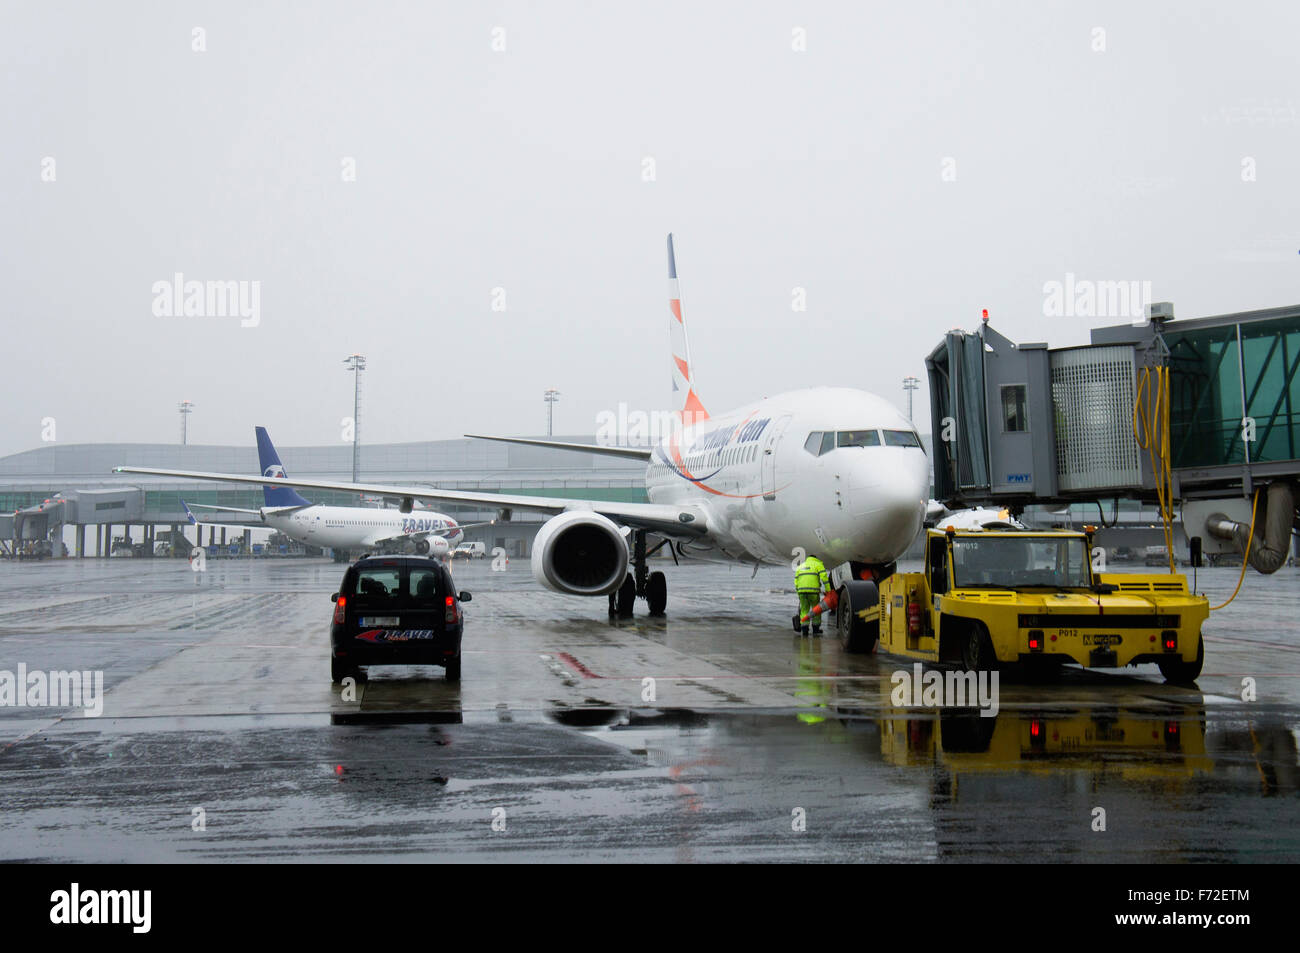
x: 984, y: 316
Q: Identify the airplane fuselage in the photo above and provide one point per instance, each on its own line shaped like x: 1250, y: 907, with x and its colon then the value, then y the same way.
x: 357, y: 527
x: 766, y: 494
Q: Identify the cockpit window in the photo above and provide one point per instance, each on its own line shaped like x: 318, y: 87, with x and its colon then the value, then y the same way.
x: 828, y: 441
x: 901, y: 438
x: 814, y: 443
x: 858, y: 438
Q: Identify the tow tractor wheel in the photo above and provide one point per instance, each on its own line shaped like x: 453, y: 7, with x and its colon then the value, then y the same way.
x: 1184, y: 673
x: 855, y: 634
x: 656, y: 593
x: 977, y: 650
x: 626, y: 596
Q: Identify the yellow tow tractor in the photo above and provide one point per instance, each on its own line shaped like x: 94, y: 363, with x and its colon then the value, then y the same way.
x: 996, y: 596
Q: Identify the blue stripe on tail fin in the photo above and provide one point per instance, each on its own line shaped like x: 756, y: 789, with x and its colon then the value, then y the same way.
x: 272, y: 467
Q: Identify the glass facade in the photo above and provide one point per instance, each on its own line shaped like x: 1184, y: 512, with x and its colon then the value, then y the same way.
x: 1214, y: 420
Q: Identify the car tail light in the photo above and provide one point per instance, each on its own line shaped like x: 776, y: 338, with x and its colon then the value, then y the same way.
x: 451, y: 610
x: 914, y: 618
x: 1037, y: 734
x: 339, y: 610
x: 1036, y: 640
x: 1169, y: 640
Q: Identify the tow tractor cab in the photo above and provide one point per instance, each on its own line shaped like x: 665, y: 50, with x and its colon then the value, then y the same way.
x: 989, y: 597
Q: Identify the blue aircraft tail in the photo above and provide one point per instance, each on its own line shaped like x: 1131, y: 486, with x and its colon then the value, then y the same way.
x: 272, y: 467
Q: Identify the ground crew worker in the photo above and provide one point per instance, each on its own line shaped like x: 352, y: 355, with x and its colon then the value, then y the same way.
x: 809, y: 579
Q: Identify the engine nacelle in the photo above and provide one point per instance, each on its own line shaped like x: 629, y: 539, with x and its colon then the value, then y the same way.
x: 438, y: 545
x: 580, y: 553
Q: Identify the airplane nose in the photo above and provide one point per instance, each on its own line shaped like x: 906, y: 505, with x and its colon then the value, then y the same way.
x: 887, y: 502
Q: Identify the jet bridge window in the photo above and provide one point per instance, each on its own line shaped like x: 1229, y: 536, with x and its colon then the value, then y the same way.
x: 1015, y: 410
x: 858, y: 438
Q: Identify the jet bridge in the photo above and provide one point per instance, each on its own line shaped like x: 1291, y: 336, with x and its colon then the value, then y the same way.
x: 1199, y: 414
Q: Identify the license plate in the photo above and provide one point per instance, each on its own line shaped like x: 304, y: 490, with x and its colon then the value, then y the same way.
x: 379, y: 620
x: 1102, y: 640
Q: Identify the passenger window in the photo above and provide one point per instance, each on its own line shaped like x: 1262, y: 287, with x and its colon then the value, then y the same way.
x: 813, y: 443
x: 858, y: 438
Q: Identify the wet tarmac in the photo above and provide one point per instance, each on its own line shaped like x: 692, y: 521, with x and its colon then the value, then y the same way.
x: 713, y: 734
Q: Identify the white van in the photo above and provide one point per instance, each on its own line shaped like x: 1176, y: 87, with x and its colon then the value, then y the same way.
x: 469, y: 551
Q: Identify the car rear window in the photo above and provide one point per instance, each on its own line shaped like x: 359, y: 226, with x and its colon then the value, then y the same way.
x: 378, y: 584
x: 398, y: 585
x: 425, y: 585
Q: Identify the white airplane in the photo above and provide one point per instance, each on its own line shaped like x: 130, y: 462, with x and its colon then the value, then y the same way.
x: 836, y: 472
x: 345, y: 529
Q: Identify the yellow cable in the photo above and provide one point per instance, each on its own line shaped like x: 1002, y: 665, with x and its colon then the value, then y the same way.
x: 1245, y: 558
x: 1153, y: 437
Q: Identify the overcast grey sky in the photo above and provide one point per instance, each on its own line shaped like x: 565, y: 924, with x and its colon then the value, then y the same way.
x: 1125, y: 154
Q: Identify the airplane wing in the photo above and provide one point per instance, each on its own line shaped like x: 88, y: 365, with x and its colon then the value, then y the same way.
x: 676, y: 522
x: 633, y: 453
x: 224, y: 509
x: 195, y: 521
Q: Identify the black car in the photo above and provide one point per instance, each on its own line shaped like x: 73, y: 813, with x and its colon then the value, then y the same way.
x: 396, y: 610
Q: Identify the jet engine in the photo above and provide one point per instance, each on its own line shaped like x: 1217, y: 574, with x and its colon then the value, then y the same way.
x: 580, y: 553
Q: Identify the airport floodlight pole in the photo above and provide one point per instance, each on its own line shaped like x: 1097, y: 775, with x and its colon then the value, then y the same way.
x: 551, y: 395
x: 910, y: 384
x: 186, y: 407
x: 356, y: 364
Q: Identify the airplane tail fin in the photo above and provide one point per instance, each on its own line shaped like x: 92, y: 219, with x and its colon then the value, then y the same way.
x: 269, y: 460
x: 189, y: 514
x: 686, y: 402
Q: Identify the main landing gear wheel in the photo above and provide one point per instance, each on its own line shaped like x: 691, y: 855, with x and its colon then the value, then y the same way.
x: 656, y: 593
x: 1184, y: 673
x: 626, y: 597
x: 857, y: 635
